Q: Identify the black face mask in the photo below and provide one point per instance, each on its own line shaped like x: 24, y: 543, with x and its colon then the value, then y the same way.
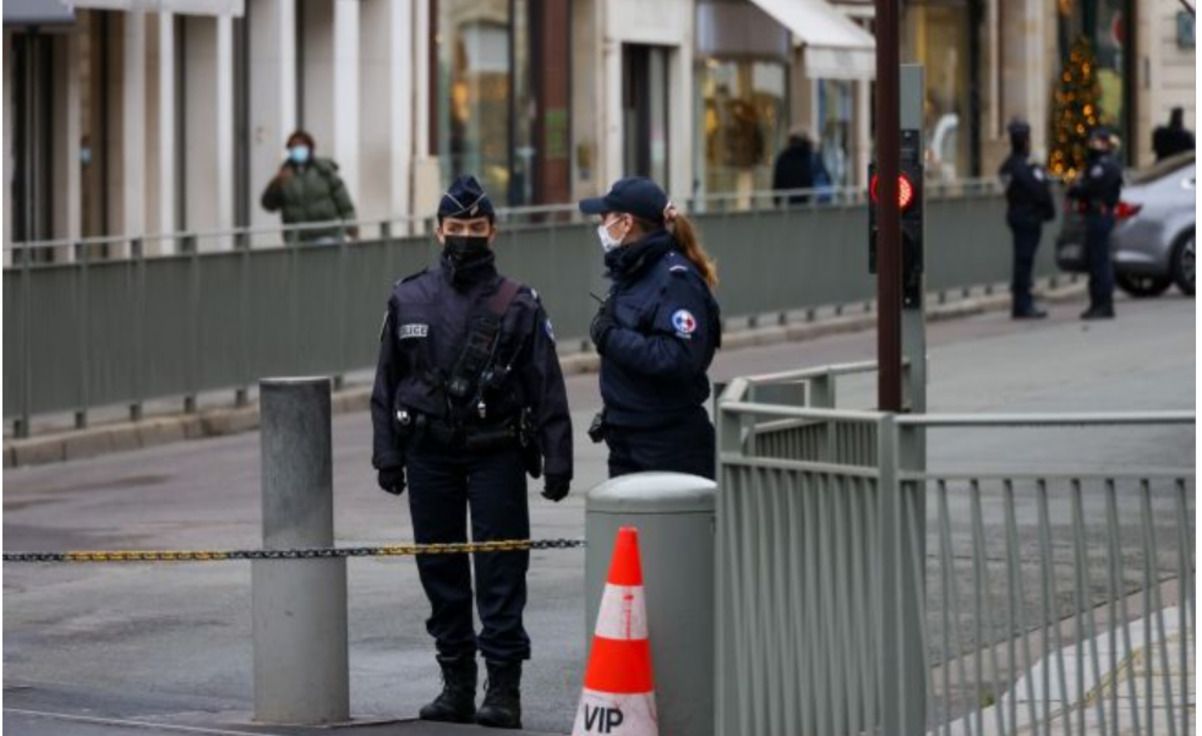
x: 463, y: 249
x: 463, y: 253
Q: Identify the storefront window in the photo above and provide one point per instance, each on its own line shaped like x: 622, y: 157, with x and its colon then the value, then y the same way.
x: 745, y: 119
x: 474, y: 87
x: 938, y: 38
x: 836, y: 103
x: 502, y: 96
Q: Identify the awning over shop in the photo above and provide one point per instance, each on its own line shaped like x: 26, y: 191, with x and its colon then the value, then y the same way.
x: 38, y: 12
x: 834, y: 46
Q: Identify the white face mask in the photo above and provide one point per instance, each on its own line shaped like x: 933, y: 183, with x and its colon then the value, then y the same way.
x: 608, y: 242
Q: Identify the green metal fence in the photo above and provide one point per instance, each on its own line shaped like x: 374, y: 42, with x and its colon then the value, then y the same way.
x: 859, y: 592
x: 229, y: 309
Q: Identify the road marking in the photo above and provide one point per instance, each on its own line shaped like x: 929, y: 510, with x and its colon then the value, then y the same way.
x: 135, y: 724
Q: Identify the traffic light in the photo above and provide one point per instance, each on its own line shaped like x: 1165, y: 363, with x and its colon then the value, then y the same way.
x: 910, y: 203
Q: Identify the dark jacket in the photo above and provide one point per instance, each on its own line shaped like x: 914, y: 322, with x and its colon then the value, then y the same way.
x: 653, y: 370
x: 794, y: 169
x: 313, y: 193
x: 1028, y: 191
x: 1169, y: 140
x: 425, y: 327
x: 1099, y: 184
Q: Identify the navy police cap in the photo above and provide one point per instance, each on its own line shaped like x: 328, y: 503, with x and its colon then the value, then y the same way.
x: 634, y: 195
x: 465, y: 199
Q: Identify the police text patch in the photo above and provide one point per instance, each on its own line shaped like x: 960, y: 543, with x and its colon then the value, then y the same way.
x: 414, y: 330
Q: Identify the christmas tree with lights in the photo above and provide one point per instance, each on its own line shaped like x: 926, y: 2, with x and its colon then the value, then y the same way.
x: 1074, y: 111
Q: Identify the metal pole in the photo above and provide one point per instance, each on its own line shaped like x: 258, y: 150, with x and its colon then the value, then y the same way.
x: 299, y: 616
x: 889, y: 258
x: 912, y: 453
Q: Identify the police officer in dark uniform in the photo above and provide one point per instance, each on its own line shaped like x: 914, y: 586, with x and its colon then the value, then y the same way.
x: 1028, y: 205
x: 656, y: 332
x: 468, y: 399
x: 1097, y: 189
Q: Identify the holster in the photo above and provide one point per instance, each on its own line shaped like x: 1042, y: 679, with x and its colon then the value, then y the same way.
x: 597, y: 430
x: 532, y: 453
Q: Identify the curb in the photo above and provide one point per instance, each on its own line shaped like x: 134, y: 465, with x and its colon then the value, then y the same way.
x: 126, y: 436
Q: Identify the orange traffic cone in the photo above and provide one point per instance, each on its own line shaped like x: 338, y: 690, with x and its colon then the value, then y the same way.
x: 619, y: 694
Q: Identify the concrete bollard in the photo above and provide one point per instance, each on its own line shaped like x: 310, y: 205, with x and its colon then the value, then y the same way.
x: 298, y: 607
x: 674, y: 514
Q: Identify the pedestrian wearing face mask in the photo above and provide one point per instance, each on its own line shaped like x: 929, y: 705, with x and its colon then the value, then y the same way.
x: 468, y: 400
x: 656, y: 333
x: 308, y: 189
x: 1097, y: 191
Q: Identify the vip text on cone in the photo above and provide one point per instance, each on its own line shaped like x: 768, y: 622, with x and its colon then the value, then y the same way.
x: 619, y: 692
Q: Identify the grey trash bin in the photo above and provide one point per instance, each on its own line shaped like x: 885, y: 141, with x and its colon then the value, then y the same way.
x: 674, y: 514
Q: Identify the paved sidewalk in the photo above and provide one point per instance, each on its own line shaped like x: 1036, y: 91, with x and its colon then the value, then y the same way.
x: 1144, y: 691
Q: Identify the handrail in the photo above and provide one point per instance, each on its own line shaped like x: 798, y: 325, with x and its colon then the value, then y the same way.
x: 1080, y: 419
x: 964, y: 187
x: 801, y: 412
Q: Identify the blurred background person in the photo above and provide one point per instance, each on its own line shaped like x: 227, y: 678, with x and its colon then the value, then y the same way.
x: 308, y: 189
x: 1097, y: 190
x: 656, y: 333
x: 1028, y: 205
x: 794, y: 168
x: 1169, y: 140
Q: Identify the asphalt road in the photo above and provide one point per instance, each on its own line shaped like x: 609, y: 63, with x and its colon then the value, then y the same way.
x: 172, y: 642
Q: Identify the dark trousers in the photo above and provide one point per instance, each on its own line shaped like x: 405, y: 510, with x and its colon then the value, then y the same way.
x: 682, y: 447
x: 443, y: 485
x: 1026, y: 243
x: 1101, y: 267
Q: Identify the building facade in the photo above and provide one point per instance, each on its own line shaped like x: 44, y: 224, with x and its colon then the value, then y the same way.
x: 131, y: 117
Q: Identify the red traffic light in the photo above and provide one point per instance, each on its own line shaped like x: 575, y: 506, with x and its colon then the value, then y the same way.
x: 905, y: 190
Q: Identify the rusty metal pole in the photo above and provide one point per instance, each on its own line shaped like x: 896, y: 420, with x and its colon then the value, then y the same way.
x: 889, y: 255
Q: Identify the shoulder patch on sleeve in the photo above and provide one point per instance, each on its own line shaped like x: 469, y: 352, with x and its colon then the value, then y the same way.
x: 678, y: 269
x: 1037, y: 172
x: 1097, y: 171
x: 684, y: 323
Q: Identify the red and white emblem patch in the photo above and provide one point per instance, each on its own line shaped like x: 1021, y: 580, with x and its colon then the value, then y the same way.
x: 684, y: 322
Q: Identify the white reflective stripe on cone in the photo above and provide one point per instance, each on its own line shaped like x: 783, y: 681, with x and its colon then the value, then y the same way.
x: 623, y: 614
x: 616, y: 715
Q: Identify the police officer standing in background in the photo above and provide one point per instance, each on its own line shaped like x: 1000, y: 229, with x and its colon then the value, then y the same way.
x: 1028, y: 205
x: 468, y: 398
x: 1097, y: 189
x: 656, y: 333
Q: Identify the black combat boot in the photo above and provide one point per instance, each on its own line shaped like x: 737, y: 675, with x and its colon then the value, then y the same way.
x: 502, y: 706
x: 457, y: 701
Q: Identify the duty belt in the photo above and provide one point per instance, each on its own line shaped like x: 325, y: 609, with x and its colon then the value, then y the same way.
x: 469, y: 437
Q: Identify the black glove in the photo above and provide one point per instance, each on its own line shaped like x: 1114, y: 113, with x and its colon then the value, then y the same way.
x: 599, y: 330
x: 392, y: 480
x: 557, y: 487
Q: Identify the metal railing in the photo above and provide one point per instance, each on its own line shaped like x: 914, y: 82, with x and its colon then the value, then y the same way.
x: 152, y: 324
x: 253, y: 236
x: 859, y: 592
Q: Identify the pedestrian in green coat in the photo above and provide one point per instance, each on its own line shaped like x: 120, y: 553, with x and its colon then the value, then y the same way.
x: 308, y: 189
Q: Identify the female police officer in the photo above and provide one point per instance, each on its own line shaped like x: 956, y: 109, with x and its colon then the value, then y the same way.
x: 656, y: 333
x: 469, y: 397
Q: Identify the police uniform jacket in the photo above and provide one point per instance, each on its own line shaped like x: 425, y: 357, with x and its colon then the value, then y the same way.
x: 424, y: 332
x: 1100, y: 184
x: 1028, y: 191
x: 667, y: 327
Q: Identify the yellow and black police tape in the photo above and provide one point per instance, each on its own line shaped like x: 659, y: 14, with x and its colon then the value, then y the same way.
x: 310, y: 553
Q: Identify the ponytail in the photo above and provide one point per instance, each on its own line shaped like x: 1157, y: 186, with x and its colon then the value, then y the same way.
x: 686, y: 237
